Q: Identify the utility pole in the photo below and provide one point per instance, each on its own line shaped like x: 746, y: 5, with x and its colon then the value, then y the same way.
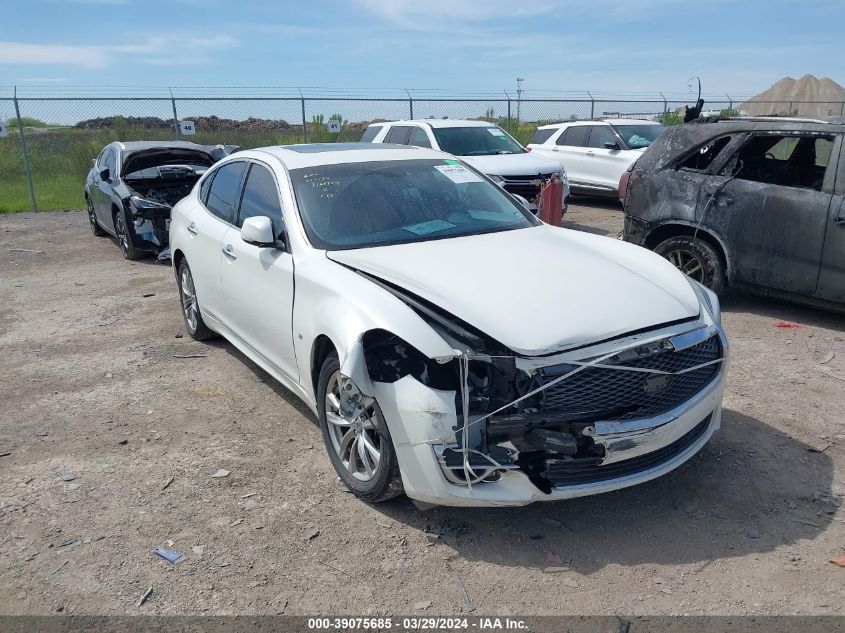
x: 519, y: 81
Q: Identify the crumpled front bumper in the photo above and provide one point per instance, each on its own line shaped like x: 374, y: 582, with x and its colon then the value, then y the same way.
x: 422, y: 420
x: 149, y: 229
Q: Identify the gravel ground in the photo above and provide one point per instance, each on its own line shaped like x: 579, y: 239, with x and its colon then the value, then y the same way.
x: 112, y: 423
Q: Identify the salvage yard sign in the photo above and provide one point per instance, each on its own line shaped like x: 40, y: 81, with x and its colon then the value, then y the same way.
x: 334, y: 126
x: 187, y: 128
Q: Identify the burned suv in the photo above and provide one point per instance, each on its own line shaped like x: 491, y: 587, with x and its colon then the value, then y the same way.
x: 753, y: 203
x: 131, y: 188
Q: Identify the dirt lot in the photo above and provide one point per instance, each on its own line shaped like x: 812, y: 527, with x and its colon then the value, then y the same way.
x: 100, y: 388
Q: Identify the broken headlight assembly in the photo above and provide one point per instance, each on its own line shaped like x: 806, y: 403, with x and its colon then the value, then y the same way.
x: 708, y: 299
x: 143, y: 206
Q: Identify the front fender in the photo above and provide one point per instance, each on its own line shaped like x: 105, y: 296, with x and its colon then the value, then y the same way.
x: 335, y: 301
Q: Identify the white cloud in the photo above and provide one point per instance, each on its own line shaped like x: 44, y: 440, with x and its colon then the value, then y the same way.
x: 437, y: 14
x: 179, y: 50
x: 49, y: 54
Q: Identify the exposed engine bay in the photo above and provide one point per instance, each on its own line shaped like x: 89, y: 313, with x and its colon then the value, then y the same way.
x: 157, y: 180
x: 543, y: 421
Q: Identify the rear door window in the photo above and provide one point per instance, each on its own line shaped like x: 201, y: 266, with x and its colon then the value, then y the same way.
x: 575, y: 136
x: 418, y: 137
x: 370, y: 133
x: 205, y: 187
x: 261, y: 198
x: 541, y: 136
x: 398, y: 134
x: 601, y: 134
x: 223, y: 194
x: 787, y: 160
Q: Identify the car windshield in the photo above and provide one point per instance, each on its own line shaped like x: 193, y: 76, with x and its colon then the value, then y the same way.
x: 357, y: 205
x: 638, y: 136
x: 476, y: 141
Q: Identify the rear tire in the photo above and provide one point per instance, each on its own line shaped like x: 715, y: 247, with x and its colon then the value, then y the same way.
x: 696, y: 258
x: 351, y: 447
x: 121, y: 229
x: 96, y: 229
x: 194, y: 323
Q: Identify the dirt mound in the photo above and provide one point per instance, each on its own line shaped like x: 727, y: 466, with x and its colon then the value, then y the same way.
x: 826, y: 97
x: 202, y: 123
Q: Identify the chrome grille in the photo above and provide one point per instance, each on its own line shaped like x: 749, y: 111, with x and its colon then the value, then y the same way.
x: 562, y: 473
x: 598, y: 393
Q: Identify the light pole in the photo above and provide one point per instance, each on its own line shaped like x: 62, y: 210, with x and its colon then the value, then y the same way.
x: 519, y: 81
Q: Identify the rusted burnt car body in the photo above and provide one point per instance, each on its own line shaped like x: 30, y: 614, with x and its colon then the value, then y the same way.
x: 756, y: 204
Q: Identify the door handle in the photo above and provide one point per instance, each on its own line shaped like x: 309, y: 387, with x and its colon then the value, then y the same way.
x: 724, y: 201
x: 590, y: 153
x: 555, y: 149
x: 229, y: 252
x: 192, y: 228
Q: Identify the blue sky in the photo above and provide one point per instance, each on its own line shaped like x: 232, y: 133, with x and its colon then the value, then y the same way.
x: 598, y: 45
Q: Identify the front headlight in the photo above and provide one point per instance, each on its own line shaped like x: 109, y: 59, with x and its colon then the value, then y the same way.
x: 708, y: 299
x: 137, y: 203
x: 564, y: 178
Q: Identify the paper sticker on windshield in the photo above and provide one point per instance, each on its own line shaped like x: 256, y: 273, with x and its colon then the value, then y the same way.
x: 457, y: 173
x: 495, y: 131
x: 432, y: 226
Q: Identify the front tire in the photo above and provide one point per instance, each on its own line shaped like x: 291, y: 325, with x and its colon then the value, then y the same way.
x: 360, y: 450
x: 121, y: 229
x: 194, y: 323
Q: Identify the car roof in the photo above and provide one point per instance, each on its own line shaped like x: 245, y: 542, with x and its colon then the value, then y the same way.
x: 677, y: 140
x: 314, y: 154
x: 438, y: 123
x: 555, y: 126
x: 768, y: 121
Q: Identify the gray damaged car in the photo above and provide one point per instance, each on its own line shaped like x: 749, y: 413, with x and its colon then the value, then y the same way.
x: 753, y: 203
x: 132, y: 187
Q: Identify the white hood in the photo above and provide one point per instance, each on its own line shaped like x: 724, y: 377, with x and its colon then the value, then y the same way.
x: 536, y: 290
x: 527, y: 164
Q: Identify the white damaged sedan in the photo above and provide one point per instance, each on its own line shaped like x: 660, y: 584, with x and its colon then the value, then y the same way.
x: 452, y: 346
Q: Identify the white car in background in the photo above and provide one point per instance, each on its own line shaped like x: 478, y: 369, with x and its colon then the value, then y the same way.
x: 595, y: 153
x: 451, y: 344
x: 483, y: 145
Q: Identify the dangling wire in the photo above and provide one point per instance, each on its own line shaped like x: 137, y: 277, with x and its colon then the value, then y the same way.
x: 463, y: 365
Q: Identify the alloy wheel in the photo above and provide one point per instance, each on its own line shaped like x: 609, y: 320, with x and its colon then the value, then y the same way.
x: 189, y: 300
x: 122, y: 238
x: 688, y: 263
x: 357, y: 442
x: 92, y: 217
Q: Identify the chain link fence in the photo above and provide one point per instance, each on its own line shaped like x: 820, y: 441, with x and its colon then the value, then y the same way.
x: 63, y: 132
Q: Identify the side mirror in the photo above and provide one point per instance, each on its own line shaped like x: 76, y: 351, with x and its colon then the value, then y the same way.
x: 523, y: 201
x: 105, y: 174
x: 258, y: 230
x: 610, y: 145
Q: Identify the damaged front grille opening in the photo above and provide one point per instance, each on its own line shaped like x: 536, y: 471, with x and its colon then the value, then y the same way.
x: 156, y: 180
x: 543, y: 424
